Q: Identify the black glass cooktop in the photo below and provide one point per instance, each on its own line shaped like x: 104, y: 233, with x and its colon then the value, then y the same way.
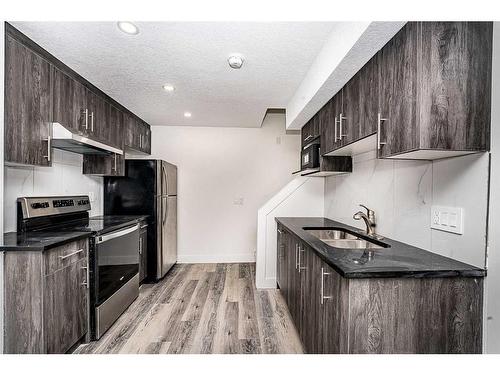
x: 101, y: 224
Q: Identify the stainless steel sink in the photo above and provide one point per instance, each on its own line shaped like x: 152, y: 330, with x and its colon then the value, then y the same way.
x: 343, y: 239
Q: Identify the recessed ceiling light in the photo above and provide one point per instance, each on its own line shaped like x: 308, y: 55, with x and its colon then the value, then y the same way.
x: 235, y: 60
x: 128, y: 27
x: 168, y: 88
x: 187, y: 114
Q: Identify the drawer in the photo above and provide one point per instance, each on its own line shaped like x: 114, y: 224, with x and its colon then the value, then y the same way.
x: 65, y: 255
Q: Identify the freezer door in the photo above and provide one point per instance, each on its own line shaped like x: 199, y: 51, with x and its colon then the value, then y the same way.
x: 169, y: 179
x: 169, y: 234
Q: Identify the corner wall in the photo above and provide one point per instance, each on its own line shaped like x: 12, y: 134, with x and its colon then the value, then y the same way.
x: 2, y: 69
x: 224, y: 176
x: 492, y: 323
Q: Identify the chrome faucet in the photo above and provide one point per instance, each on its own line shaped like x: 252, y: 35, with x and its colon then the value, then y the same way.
x: 369, y: 219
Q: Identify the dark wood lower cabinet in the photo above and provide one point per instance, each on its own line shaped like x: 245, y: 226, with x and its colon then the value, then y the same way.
x: 45, y: 299
x: 333, y: 314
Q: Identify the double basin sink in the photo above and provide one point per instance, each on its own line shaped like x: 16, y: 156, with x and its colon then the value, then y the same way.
x: 345, y: 239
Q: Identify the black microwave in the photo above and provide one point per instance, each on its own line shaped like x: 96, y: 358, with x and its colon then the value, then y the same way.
x: 309, y: 158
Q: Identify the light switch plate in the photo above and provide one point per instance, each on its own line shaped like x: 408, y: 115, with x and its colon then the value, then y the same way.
x: 448, y: 219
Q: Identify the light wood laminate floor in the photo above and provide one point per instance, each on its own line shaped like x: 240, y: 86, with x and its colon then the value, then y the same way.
x: 203, y: 308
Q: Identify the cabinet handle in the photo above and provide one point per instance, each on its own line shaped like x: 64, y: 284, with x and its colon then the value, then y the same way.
x: 280, y: 231
x: 86, y: 282
x: 140, y: 245
x: 62, y: 257
x: 336, y: 122
x: 115, y: 163
x: 379, y: 124
x: 323, y: 274
x: 301, y: 250
x: 86, y: 114
x: 91, y: 121
x: 341, y: 117
x: 308, y: 137
x: 296, y: 255
x: 49, y: 145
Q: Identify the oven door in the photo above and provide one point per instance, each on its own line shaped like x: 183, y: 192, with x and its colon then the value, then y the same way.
x: 117, y: 275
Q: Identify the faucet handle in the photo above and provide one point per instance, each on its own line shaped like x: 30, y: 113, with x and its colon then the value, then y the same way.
x: 369, y: 212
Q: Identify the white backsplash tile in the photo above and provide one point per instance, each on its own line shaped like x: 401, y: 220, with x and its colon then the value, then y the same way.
x: 402, y: 192
x: 64, y: 177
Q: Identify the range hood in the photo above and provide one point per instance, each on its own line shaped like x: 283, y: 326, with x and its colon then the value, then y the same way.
x: 66, y: 140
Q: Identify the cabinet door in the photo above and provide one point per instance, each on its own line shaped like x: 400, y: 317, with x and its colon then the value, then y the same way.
x: 143, y: 246
x: 293, y: 292
x: 369, y: 97
x: 327, y: 126
x: 307, y: 133
x: 70, y: 103
x: 28, y: 107
x: 146, y: 139
x: 311, y: 337
x: 398, y: 92
x: 281, y: 260
x: 333, y: 314
x: 115, y: 127
x: 65, y: 307
x: 104, y: 165
x: 98, y: 121
x: 349, y: 118
x: 455, y: 85
x: 332, y: 136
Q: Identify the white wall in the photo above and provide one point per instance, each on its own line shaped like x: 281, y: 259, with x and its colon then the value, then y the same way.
x: 493, y: 279
x: 63, y: 178
x: 303, y: 196
x: 2, y: 69
x: 402, y: 192
x: 217, y: 167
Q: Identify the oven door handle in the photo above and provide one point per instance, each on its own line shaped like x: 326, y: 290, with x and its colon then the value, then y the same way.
x: 116, y: 234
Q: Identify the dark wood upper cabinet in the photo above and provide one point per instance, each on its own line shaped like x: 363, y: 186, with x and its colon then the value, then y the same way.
x: 28, y: 105
x: 70, y: 103
x: 398, y: 92
x: 40, y: 90
x: 455, y: 91
x: 104, y: 165
x: 435, y: 90
x: 425, y: 95
x: 137, y: 136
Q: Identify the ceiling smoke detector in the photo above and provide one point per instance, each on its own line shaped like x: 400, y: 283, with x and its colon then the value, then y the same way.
x: 235, y: 61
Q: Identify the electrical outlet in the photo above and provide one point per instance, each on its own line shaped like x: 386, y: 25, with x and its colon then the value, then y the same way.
x: 448, y: 219
x: 238, y: 201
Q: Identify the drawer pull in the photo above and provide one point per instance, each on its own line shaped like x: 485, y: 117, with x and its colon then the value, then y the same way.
x: 323, y: 274
x: 379, y: 125
x: 62, y: 257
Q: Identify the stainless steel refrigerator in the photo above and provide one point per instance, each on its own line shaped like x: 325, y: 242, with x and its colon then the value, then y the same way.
x: 148, y: 188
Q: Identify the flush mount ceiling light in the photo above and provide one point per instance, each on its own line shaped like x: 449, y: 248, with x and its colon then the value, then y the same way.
x: 128, y: 27
x: 187, y: 114
x: 168, y: 88
x: 235, y: 61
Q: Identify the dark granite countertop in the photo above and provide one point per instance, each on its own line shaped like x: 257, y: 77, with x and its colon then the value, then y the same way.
x: 46, y: 239
x: 398, y: 260
x: 38, y: 241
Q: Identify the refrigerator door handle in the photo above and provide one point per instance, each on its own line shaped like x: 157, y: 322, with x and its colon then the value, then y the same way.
x: 164, y: 208
x: 165, y: 179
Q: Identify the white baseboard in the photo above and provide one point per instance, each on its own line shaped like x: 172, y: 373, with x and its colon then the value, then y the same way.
x: 267, y: 283
x: 216, y: 258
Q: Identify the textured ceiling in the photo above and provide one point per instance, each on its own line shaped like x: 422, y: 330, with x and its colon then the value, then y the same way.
x: 191, y: 56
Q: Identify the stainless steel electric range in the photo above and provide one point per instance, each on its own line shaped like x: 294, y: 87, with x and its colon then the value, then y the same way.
x: 113, y: 251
